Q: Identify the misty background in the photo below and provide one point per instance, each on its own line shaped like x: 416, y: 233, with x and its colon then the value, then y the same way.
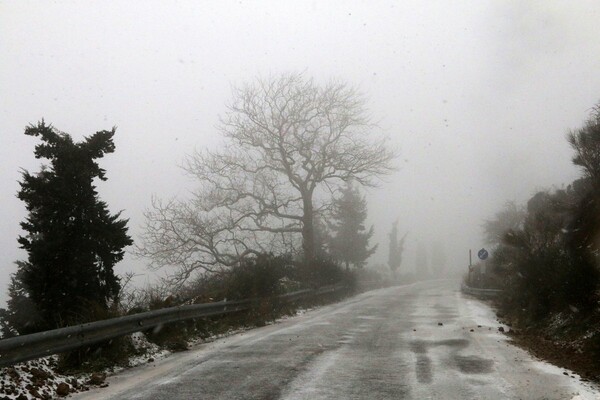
x: 477, y: 97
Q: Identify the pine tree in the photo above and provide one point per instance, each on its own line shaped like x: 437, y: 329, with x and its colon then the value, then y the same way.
x: 72, y: 240
x: 350, y: 241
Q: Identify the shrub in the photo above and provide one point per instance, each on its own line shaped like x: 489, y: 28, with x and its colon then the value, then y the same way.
x: 257, y: 277
x: 321, y: 272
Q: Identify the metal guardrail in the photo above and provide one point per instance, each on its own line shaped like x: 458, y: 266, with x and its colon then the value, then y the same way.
x: 482, y: 293
x: 36, y: 345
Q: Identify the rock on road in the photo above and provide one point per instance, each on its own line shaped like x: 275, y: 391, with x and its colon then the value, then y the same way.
x: 383, y: 344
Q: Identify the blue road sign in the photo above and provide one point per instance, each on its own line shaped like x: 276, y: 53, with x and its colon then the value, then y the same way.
x: 482, y: 254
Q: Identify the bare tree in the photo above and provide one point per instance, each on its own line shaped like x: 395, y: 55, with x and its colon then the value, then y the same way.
x: 289, y: 144
x: 510, y: 218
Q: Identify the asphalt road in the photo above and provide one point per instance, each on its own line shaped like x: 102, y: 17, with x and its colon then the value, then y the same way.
x: 406, y: 342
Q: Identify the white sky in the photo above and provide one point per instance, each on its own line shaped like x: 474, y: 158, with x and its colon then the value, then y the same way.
x: 477, y: 95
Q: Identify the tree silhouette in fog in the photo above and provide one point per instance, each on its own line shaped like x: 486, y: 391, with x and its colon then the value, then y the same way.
x: 73, y: 242
x: 289, y: 144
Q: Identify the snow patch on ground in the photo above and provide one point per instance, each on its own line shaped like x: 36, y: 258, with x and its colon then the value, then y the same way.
x: 38, y: 379
x: 585, y: 391
x: 586, y: 397
x: 484, y: 315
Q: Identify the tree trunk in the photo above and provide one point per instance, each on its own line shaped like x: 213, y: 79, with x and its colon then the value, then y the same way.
x: 308, y: 231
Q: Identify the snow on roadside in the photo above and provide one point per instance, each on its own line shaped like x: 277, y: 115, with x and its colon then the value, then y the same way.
x: 484, y: 315
x: 38, y: 379
x: 147, y: 350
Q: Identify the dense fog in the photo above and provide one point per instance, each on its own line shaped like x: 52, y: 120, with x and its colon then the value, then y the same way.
x: 476, y: 97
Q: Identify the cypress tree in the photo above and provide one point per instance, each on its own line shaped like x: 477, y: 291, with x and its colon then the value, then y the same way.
x: 72, y: 240
x: 396, y: 249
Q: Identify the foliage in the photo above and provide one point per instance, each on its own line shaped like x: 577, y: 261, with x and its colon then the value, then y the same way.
x: 321, y: 272
x: 322, y: 238
x: 171, y: 336
x: 350, y: 240
x: 289, y: 142
x: 539, y: 253
x: 549, y: 256
x: 261, y: 278
x: 583, y: 232
x: 586, y: 144
x: 257, y: 277
x: 72, y: 240
x: 102, y: 355
x: 550, y: 275
x: 265, y: 275
x: 21, y: 315
x: 509, y: 218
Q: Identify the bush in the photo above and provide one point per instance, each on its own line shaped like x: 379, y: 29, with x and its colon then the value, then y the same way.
x: 544, y: 270
x: 21, y: 315
x: 257, y: 277
x: 321, y: 272
x: 172, y: 336
x: 99, y: 356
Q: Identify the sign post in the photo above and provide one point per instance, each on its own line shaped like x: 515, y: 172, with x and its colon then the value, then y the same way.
x: 483, y: 255
x: 469, y: 276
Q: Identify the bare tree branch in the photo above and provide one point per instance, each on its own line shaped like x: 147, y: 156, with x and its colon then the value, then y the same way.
x: 288, y: 141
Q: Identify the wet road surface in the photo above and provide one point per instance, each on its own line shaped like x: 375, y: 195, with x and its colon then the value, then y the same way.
x: 405, y: 342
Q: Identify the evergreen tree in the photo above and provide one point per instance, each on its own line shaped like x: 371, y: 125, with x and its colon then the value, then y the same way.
x: 322, y: 238
x: 21, y: 316
x: 396, y: 248
x: 72, y: 240
x: 350, y: 241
